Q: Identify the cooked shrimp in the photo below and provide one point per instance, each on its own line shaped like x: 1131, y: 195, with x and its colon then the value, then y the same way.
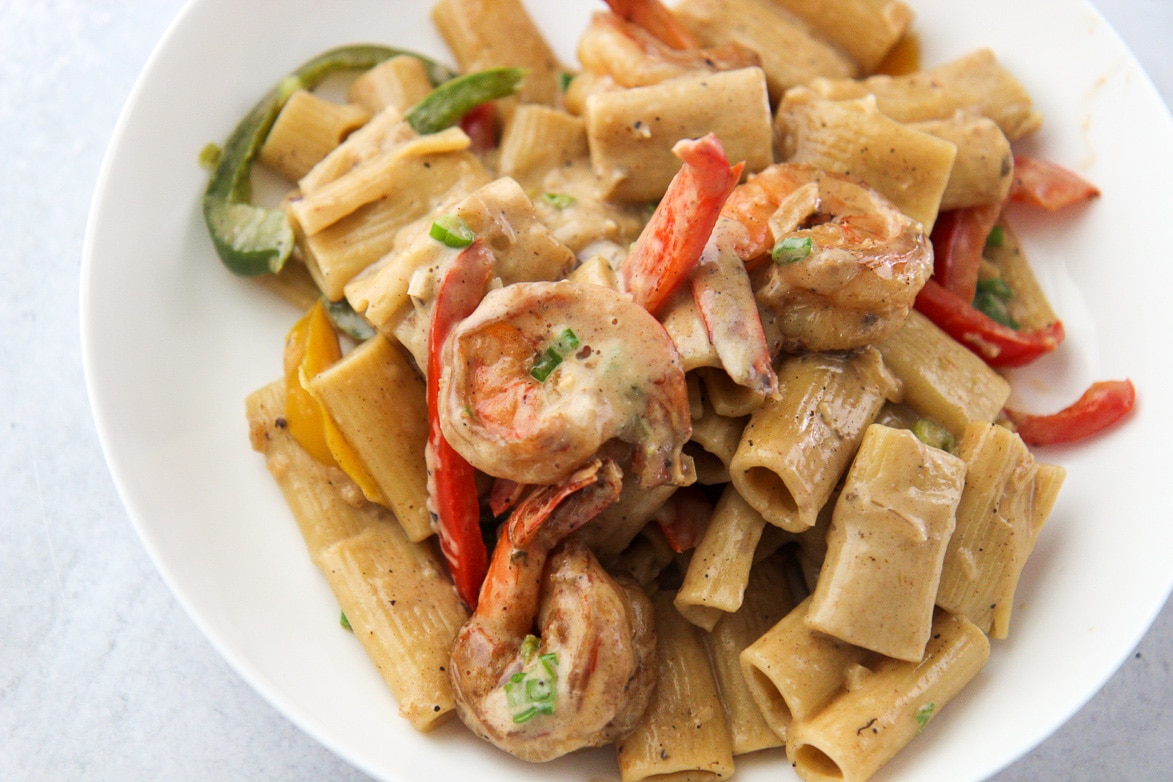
x: 543, y: 374
x: 587, y: 676
x: 847, y: 263
x: 634, y: 57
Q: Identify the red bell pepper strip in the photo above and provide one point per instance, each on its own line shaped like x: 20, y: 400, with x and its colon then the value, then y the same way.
x: 997, y: 345
x: 1103, y: 404
x: 670, y: 245
x: 480, y: 125
x: 451, y: 479
x: 959, y: 236
x: 683, y: 518
x: 1045, y: 184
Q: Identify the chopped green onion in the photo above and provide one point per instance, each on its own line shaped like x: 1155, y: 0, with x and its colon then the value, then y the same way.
x: 991, y: 299
x: 791, y: 249
x: 450, y: 230
x: 933, y: 434
x: 210, y: 155
x: 529, y: 647
x: 564, y: 80
x: 566, y: 342
x: 996, y: 237
x: 531, y: 693
x: 923, y: 715
x: 545, y: 364
x: 996, y: 286
x: 342, y: 620
x: 558, y: 200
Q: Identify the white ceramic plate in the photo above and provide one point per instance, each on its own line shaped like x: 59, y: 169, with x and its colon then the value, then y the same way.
x: 173, y: 343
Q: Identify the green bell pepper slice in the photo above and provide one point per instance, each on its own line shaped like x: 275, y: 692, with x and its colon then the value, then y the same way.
x: 250, y: 239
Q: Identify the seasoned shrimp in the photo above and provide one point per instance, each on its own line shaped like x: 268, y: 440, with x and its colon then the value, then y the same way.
x: 634, y: 57
x: 542, y: 375
x: 587, y: 676
x: 847, y: 264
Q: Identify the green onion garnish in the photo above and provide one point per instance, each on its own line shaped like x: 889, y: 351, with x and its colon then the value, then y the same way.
x: 558, y: 200
x: 530, y: 693
x: 564, y: 80
x: 996, y: 237
x: 548, y: 361
x: 991, y: 298
x: 791, y: 249
x: 342, y: 620
x: 545, y: 364
x: 529, y: 647
x: 451, y: 231
x: 923, y: 715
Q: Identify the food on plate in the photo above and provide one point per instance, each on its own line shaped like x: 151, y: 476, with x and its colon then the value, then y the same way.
x: 658, y: 402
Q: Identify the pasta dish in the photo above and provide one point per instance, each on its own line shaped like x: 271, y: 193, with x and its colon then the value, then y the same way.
x: 658, y: 401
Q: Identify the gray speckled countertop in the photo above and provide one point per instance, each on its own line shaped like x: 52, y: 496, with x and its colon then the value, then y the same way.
x: 102, y: 674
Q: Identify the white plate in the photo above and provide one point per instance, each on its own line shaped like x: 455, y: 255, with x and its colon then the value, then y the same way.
x: 173, y: 343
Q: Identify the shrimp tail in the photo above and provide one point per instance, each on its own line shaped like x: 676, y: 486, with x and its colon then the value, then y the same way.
x: 657, y: 19
x: 558, y: 510
x: 670, y: 245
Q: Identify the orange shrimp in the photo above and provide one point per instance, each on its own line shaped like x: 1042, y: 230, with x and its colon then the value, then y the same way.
x: 847, y: 263
x: 634, y: 54
x: 542, y: 375
x: 586, y: 677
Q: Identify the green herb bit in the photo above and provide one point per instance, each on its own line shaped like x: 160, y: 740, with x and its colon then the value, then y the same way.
x: 566, y: 342
x: 529, y: 647
x: 933, y: 434
x: 451, y: 231
x: 558, y: 200
x: 996, y: 237
x: 991, y: 299
x: 545, y: 364
x: 923, y: 715
x: 564, y: 79
x: 995, y: 286
x: 210, y: 155
x: 342, y: 620
x: 791, y: 249
x: 532, y: 693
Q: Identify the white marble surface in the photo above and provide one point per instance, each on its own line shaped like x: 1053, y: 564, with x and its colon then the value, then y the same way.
x: 102, y: 675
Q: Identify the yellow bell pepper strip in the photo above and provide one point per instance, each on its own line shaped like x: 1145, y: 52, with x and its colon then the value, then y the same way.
x: 250, y: 239
x: 452, y: 492
x: 446, y: 105
x: 311, y: 347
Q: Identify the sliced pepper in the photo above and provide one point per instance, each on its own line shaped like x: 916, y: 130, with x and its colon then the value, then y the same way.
x: 311, y: 347
x: 1047, y: 185
x: 446, y: 105
x: 451, y: 479
x: 1102, y: 405
x: 959, y: 236
x: 250, y: 239
x: 997, y: 345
